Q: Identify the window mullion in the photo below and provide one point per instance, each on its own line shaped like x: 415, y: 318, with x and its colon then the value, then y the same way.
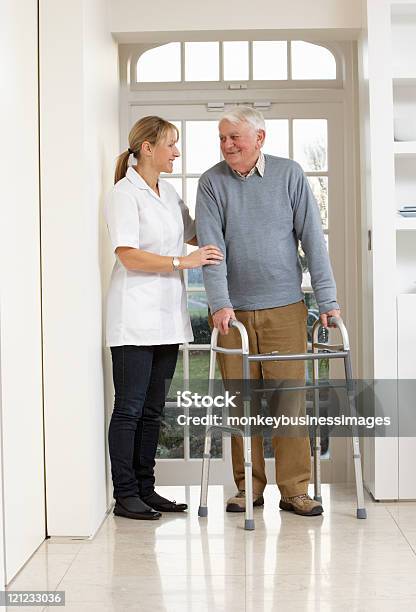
x: 182, y: 62
x: 317, y: 173
x: 185, y: 195
x: 290, y: 138
x: 221, y: 60
x: 184, y: 188
x: 186, y: 386
x: 185, y: 351
x: 196, y: 290
x: 250, y: 60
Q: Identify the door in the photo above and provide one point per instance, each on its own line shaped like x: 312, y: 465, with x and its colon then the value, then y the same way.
x: 312, y: 134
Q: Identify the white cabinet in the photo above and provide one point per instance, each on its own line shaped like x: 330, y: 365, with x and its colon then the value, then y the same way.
x: 403, y: 37
x: 406, y: 347
x: 403, y: 26
x: 403, y: 22
x: 387, y: 52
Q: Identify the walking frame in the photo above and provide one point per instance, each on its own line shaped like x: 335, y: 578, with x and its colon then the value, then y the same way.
x: 319, y: 351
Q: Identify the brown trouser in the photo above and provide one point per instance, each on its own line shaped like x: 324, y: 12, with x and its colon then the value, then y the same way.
x: 281, y: 329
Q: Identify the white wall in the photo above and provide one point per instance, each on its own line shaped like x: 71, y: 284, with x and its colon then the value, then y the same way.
x: 129, y: 16
x: 366, y: 301
x: 2, y: 538
x: 79, y: 130
x: 366, y: 216
x: 20, y: 308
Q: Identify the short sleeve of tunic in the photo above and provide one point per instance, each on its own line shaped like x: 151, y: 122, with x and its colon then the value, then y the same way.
x: 122, y: 218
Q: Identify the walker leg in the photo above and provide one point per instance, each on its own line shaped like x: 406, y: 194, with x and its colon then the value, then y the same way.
x: 361, y: 511
x: 248, y: 473
x: 316, y: 439
x: 317, y: 466
x: 203, y: 507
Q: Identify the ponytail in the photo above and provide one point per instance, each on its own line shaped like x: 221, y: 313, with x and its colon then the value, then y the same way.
x: 121, y: 166
x: 148, y: 129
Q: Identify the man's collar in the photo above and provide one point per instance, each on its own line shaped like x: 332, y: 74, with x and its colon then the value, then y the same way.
x: 259, y: 166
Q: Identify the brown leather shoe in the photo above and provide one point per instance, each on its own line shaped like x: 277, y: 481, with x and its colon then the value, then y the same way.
x: 237, y: 503
x: 301, y: 504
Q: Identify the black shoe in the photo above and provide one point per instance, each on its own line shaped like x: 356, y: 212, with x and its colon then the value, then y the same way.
x: 157, y: 502
x: 133, y: 507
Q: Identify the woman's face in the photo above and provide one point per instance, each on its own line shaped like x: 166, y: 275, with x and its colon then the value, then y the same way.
x: 165, y: 152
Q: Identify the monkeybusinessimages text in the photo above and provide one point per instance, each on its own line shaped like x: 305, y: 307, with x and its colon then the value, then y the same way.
x: 187, y: 399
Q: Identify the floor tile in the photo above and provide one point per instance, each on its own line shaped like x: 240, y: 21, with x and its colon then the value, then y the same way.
x: 162, y: 592
x: 332, y: 563
x: 42, y: 572
x: 331, y: 586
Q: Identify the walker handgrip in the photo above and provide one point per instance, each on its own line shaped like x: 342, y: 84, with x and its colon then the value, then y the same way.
x: 336, y: 322
x: 243, y: 333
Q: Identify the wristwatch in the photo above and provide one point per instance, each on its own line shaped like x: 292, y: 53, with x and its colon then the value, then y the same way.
x: 176, y: 263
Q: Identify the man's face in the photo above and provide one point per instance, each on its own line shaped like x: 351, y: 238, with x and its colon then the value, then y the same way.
x: 240, y: 144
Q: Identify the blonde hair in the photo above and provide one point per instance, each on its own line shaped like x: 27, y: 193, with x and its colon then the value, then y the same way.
x: 148, y: 129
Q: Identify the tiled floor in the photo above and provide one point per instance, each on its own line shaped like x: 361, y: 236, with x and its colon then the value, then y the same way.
x: 187, y: 564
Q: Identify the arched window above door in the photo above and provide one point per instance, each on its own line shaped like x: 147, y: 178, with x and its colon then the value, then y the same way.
x: 265, y: 60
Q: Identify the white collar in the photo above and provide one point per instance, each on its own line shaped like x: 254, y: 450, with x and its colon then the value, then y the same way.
x: 259, y: 166
x: 138, y: 181
x: 135, y: 178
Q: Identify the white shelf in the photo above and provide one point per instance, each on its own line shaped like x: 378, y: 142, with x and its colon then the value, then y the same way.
x: 405, y: 223
x: 405, y: 149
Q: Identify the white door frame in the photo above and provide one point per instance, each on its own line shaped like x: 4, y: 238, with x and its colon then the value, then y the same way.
x: 188, y: 471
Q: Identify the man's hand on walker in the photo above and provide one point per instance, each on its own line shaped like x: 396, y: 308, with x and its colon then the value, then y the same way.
x: 331, y: 313
x: 221, y: 319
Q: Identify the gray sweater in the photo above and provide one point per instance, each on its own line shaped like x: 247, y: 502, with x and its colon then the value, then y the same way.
x: 257, y: 223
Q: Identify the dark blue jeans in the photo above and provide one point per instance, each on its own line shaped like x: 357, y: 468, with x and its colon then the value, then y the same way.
x: 140, y: 375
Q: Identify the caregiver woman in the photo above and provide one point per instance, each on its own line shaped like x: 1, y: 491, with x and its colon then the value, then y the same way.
x: 147, y: 315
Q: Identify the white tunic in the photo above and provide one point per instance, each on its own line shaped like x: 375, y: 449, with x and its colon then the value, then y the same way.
x: 146, y: 308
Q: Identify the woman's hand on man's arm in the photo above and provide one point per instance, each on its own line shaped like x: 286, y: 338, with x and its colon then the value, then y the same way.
x: 205, y: 256
x: 137, y: 260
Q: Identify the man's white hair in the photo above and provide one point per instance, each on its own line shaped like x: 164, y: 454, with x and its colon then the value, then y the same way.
x: 236, y: 114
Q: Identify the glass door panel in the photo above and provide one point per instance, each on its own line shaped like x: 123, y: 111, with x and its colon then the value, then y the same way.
x: 310, y: 134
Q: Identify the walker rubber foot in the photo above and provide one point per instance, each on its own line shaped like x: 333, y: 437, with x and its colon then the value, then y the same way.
x: 361, y: 513
x: 249, y: 524
x: 203, y: 511
x: 318, y: 498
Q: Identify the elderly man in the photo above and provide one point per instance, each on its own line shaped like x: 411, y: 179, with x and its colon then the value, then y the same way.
x: 256, y: 208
